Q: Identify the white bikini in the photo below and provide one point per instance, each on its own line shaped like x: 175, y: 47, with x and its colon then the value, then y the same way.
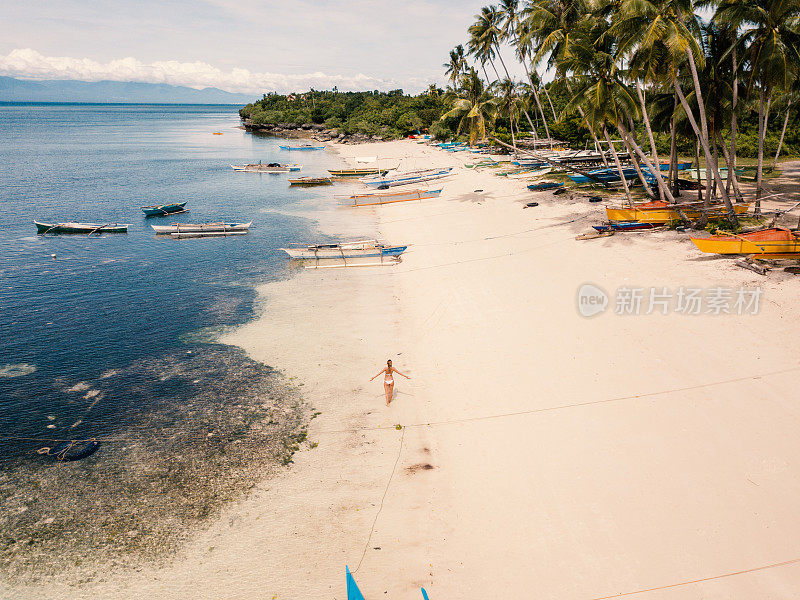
x: 388, y: 380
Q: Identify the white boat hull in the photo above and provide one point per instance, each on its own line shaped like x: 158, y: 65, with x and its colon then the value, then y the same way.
x: 265, y: 168
x: 374, y: 198
x: 407, y: 178
x: 201, y: 228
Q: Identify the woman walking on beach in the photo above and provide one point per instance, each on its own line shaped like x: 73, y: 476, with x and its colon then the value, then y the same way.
x: 388, y: 380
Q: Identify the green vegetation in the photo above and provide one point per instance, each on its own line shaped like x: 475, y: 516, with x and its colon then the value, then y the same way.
x: 386, y: 114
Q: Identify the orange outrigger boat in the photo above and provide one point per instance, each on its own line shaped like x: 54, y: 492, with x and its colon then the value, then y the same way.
x: 773, y: 242
x: 659, y: 211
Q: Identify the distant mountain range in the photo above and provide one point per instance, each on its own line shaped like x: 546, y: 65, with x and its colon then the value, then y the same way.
x: 22, y: 90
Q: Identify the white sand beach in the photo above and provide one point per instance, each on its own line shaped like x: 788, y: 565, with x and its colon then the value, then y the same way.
x: 539, y: 453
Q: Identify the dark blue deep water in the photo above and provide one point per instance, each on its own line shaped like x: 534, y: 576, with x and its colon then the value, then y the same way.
x: 104, y: 304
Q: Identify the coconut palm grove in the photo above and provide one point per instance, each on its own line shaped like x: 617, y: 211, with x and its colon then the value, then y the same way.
x: 715, y: 82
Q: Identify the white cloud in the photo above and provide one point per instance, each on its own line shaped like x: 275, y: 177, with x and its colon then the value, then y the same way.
x: 30, y: 64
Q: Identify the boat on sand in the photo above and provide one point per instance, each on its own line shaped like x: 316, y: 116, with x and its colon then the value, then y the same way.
x: 659, y: 211
x: 776, y: 240
x: 356, y: 249
x: 394, y: 178
x: 387, y: 197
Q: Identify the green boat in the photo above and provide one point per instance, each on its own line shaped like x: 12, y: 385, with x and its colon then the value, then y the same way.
x: 85, y: 228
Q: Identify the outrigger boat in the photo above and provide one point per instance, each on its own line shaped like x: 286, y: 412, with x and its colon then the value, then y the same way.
x: 626, y: 226
x: 86, y: 228
x: 268, y: 168
x: 529, y: 173
x: 609, y: 175
x: 357, y: 172
x: 302, y: 147
x: 659, y: 211
x: 547, y: 185
x: 387, y: 197
x: 393, y: 178
x: 357, y: 249
x: 767, y: 241
x: 311, y: 181
x: 201, y: 228
x: 164, y: 209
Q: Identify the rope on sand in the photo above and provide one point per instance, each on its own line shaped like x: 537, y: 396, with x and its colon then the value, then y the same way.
x: 386, y: 491
x: 682, y: 583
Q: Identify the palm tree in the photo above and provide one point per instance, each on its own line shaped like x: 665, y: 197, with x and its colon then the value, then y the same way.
x: 672, y: 26
x: 790, y: 97
x: 510, y: 18
x: 548, y: 26
x: 483, y: 36
x: 475, y: 107
x: 509, y: 104
x: 771, y: 44
x: 455, y: 67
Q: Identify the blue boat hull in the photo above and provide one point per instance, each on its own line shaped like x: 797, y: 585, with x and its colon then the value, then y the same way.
x: 164, y: 209
x: 538, y: 187
x: 301, y: 147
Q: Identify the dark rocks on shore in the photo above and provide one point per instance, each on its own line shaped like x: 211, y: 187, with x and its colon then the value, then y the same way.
x: 308, y: 131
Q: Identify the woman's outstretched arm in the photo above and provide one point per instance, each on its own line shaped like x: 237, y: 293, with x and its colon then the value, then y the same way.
x: 399, y: 373
x: 379, y: 372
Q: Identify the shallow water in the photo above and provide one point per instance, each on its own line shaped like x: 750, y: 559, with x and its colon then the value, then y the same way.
x: 104, y: 302
x: 113, y: 336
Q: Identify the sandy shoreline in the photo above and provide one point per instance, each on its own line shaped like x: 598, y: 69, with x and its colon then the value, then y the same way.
x: 544, y: 454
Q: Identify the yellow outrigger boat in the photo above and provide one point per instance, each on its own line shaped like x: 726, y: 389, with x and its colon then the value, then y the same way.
x: 659, y: 211
x: 776, y: 241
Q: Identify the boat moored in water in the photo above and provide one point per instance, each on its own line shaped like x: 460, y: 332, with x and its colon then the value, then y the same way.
x: 164, y: 209
x: 85, y: 228
x: 219, y: 227
x: 260, y: 167
x: 302, y: 147
x: 311, y: 181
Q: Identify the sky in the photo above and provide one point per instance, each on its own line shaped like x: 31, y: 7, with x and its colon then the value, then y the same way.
x: 249, y: 46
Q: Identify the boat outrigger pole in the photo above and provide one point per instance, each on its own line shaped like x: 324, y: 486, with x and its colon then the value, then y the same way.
x: 549, y: 161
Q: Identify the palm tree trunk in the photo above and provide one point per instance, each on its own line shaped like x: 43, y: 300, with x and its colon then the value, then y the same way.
x: 550, y: 100
x: 513, y: 139
x: 646, y: 119
x: 590, y: 128
x: 619, y: 166
x: 731, y: 178
x: 624, y: 135
x: 763, y: 115
x: 697, y: 162
x: 731, y: 160
x: 703, y: 133
x: 783, y: 133
x: 704, y: 143
x: 655, y: 169
x: 541, y: 112
x: 673, y: 149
